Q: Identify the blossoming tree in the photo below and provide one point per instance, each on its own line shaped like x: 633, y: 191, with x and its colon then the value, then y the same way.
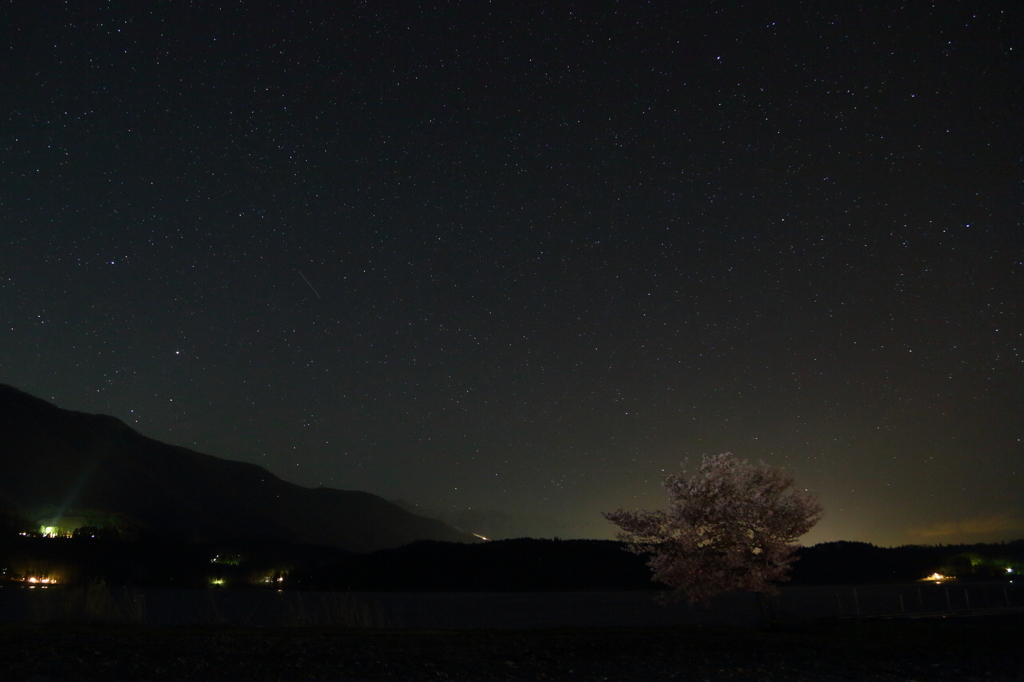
x: 729, y: 527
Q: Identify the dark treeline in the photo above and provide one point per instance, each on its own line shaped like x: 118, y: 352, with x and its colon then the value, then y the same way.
x: 860, y: 562
x: 523, y: 565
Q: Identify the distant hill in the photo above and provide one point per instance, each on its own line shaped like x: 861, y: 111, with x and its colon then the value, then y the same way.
x: 65, y: 460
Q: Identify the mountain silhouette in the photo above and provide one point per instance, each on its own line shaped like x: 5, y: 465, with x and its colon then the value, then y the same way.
x: 65, y: 460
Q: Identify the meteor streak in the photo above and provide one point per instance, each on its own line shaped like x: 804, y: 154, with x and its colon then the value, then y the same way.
x: 307, y: 282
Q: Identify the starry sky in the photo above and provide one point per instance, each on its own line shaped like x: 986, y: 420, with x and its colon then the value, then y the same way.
x: 529, y: 258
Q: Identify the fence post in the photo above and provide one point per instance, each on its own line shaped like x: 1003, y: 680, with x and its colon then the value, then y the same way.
x: 856, y: 601
x: 840, y: 602
x: 949, y: 604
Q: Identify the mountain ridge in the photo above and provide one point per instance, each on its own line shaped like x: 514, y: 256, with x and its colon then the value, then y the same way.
x: 62, y: 458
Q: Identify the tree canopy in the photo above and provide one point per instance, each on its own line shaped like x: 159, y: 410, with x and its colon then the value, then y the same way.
x: 731, y: 526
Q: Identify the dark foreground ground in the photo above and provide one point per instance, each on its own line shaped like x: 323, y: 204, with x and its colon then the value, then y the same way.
x: 988, y: 648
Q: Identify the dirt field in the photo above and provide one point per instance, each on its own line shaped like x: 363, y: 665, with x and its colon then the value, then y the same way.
x: 989, y: 648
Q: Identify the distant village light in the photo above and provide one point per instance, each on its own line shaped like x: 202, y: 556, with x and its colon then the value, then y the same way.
x: 938, y: 577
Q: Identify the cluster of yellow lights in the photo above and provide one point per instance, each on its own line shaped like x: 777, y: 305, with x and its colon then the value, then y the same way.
x: 938, y: 577
x: 39, y: 582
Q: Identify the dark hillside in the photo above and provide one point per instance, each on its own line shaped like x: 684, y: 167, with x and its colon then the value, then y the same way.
x: 52, y: 457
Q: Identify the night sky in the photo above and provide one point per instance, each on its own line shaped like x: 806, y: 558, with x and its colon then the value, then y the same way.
x: 483, y: 254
